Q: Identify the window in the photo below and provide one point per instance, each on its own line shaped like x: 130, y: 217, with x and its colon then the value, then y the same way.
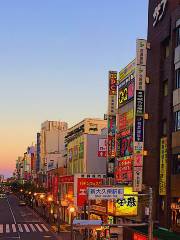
x: 178, y: 78
x: 167, y: 50
x: 177, y: 121
x: 164, y: 127
x: 176, y: 164
x: 178, y: 36
x: 165, y: 88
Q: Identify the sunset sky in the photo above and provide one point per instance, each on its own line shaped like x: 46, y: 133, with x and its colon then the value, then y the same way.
x: 54, y: 62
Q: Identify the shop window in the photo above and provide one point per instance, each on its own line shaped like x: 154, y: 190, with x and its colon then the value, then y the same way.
x: 165, y: 88
x: 178, y: 78
x: 178, y: 36
x: 164, y: 127
x: 177, y: 121
x: 176, y: 164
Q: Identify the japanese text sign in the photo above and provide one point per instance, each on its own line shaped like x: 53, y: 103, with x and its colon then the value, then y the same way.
x: 105, y: 193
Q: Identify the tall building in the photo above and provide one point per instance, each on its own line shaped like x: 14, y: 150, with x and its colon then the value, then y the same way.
x: 162, y: 129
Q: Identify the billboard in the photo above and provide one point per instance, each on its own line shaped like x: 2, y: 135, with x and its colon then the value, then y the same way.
x: 123, y: 173
x: 125, y: 93
x: 102, y: 147
x: 127, y: 72
x: 124, y: 146
x: 128, y: 205
x: 82, y: 185
x: 112, y: 93
x: 125, y: 120
x: 163, y: 166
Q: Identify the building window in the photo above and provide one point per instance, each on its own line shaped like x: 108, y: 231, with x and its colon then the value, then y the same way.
x: 177, y: 121
x: 178, y: 78
x: 164, y: 127
x: 176, y: 164
x: 178, y: 36
x: 165, y: 88
x: 167, y: 50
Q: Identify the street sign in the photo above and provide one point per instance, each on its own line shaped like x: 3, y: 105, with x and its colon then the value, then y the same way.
x: 87, y: 222
x: 105, y: 193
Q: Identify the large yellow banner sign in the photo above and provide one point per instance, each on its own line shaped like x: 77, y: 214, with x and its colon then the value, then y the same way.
x: 128, y: 205
x: 163, y: 166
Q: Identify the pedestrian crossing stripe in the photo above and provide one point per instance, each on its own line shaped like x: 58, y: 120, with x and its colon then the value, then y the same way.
x: 23, y: 228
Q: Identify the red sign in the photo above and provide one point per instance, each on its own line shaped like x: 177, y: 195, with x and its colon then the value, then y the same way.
x: 66, y: 179
x: 111, y: 146
x: 55, y: 187
x: 138, y: 236
x: 112, y: 83
x: 82, y: 185
x: 124, y: 170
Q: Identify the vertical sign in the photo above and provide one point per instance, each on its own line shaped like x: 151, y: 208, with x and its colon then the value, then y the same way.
x: 163, y: 166
x: 139, y: 103
x: 112, y: 104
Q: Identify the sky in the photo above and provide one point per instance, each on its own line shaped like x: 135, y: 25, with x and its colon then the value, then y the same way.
x: 54, y: 61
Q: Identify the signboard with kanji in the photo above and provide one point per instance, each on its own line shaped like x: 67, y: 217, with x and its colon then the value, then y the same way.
x: 105, y: 193
x: 163, y: 166
x: 102, y: 147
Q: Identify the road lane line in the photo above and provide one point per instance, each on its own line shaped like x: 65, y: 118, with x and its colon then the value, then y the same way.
x: 20, y: 228
x: 26, y: 227
x: 7, y: 228
x: 45, y: 228
x: 1, y: 228
x: 32, y: 227
x: 14, y: 227
x: 38, y: 227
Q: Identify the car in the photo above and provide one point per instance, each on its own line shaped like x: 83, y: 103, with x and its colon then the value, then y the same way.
x: 2, y: 195
x: 22, y: 203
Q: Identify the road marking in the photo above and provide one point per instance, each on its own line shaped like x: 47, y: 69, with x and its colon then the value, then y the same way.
x: 20, y: 228
x: 26, y: 227
x: 7, y: 228
x: 38, y: 227
x: 1, y: 228
x: 14, y: 227
x: 32, y: 227
x: 45, y: 228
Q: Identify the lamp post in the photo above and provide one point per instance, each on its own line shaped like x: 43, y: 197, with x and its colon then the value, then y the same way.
x: 71, y: 211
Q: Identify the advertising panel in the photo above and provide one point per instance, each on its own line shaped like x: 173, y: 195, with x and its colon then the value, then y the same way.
x: 127, y: 71
x: 66, y: 179
x: 139, y: 102
x: 123, y: 173
x: 112, y: 93
x: 105, y: 193
x: 111, y: 125
x: 125, y: 120
x: 139, y: 128
x: 163, y: 166
x: 139, y: 236
x: 82, y: 185
x: 124, y: 146
x: 125, y: 93
x: 128, y: 205
x: 102, y: 147
x: 137, y: 178
x: 111, y: 146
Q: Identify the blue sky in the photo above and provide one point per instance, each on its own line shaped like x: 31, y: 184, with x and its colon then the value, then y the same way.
x: 54, y: 62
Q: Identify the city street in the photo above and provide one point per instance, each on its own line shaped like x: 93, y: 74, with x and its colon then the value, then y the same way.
x: 21, y: 222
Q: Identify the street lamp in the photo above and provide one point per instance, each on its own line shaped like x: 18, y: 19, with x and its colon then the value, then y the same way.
x: 71, y: 211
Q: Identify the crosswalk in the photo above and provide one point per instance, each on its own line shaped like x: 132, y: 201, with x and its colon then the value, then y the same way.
x: 23, y: 228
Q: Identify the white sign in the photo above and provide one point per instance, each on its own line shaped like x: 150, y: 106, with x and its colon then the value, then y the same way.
x: 159, y: 12
x: 87, y: 222
x: 105, y: 193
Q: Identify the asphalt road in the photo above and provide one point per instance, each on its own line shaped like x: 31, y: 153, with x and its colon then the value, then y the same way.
x: 21, y: 222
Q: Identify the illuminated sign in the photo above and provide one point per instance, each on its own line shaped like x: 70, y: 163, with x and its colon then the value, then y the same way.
x: 125, y: 94
x: 163, y: 166
x: 127, y: 71
x: 105, y: 193
x: 139, y: 102
x: 139, y: 127
x: 123, y: 171
x: 159, y: 12
x: 112, y: 83
x: 111, y: 146
x: 125, y: 120
x: 124, y: 146
x: 128, y: 205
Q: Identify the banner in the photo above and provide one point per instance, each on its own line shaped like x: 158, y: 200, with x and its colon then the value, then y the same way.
x: 123, y: 173
x: 163, y: 166
x: 82, y: 185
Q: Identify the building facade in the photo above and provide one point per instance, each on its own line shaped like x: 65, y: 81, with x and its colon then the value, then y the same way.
x: 162, y: 135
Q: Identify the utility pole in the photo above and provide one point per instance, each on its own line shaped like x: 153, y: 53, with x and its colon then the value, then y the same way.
x: 150, y: 225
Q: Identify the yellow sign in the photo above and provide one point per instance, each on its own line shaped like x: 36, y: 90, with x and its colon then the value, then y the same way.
x: 128, y: 70
x: 163, y: 166
x: 128, y: 205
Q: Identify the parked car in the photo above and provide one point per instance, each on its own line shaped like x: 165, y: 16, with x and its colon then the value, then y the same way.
x: 22, y: 203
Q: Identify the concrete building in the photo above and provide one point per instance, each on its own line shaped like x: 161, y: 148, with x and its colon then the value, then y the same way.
x: 82, y: 147
x: 162, y: 129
